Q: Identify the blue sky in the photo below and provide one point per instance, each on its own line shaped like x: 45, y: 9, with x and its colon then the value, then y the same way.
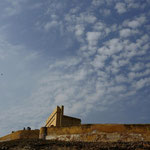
x: 92, y: 56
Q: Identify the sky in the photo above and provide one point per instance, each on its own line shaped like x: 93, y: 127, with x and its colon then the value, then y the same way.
x: 92, y: 56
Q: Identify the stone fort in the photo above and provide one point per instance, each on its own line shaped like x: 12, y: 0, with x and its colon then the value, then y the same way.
x: 61, y: 127
x: 58, y: 119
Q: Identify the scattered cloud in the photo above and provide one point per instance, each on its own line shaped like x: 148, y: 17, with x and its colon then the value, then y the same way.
x: 121, y: 7
x: 132, y: 4
x: 135, y: 23
x: 128, y: 32
x: 79, y: 30
x: 50, y: 25
x: 92, y: 37
x: 108, y: 62
x: 142, y: 83
x: 97, y: 2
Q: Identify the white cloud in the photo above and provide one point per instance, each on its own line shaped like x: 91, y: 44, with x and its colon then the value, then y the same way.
x: 111, y: 47
x: 127, y: 32
x: 79, y: 30
x: 50, y: 25
x: 142, y: 83
x: 132, y: 4
x: 80, y: 75
x: 137, y: 67
x: 121, y: 78
x: 99, y: 61
x: 92, y: 37
x: 97, y: 2
x: 137, y: 22
x: 134, y: 24
x: 90, y: 18
x: 142, y: 74
x: 101, y: 27
x: 121, y: 7
x: 85, y: 18
x: 74, y: 10
x: 116, y: 89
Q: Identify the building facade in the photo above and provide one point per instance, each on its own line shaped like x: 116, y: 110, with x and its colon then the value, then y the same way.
x: 58, y: 119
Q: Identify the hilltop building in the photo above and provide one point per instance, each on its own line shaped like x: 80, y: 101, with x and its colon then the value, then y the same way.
x: 65, y: 128
x: 58, y: 119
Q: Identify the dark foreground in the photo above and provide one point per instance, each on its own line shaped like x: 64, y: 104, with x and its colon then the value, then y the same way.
x: 58, y: 145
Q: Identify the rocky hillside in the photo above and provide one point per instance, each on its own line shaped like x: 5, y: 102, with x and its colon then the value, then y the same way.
x: 58, y: 145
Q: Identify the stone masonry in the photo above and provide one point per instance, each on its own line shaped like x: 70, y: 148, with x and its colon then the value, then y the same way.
x: 58, y: 119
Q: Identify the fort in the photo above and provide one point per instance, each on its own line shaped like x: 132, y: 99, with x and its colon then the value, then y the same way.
x: 58, y: 119
x: 65, y: 128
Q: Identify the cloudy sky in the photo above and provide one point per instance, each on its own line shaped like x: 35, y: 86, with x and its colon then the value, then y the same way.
x: 92, y: 56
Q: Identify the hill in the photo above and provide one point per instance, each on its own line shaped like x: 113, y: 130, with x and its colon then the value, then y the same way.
x: 36, y: 144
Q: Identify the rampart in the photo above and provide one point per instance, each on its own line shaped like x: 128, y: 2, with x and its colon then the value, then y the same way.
x: 61, y: 127
x: 98, y: 133
x: 21, y: 134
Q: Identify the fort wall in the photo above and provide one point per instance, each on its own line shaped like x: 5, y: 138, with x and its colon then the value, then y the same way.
x: 98, y: 133
x: 21, y: 134
x: 61, y: 127
x: 87, y: 133
x: 70, y: 121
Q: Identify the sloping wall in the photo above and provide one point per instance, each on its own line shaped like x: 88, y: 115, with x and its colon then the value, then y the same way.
x: 55, y: 118
x: 58, y: 119
x: 98, y: 133
x: 21, y: 134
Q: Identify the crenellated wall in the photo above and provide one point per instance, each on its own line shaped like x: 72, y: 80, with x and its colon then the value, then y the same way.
x: 98, y: 133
